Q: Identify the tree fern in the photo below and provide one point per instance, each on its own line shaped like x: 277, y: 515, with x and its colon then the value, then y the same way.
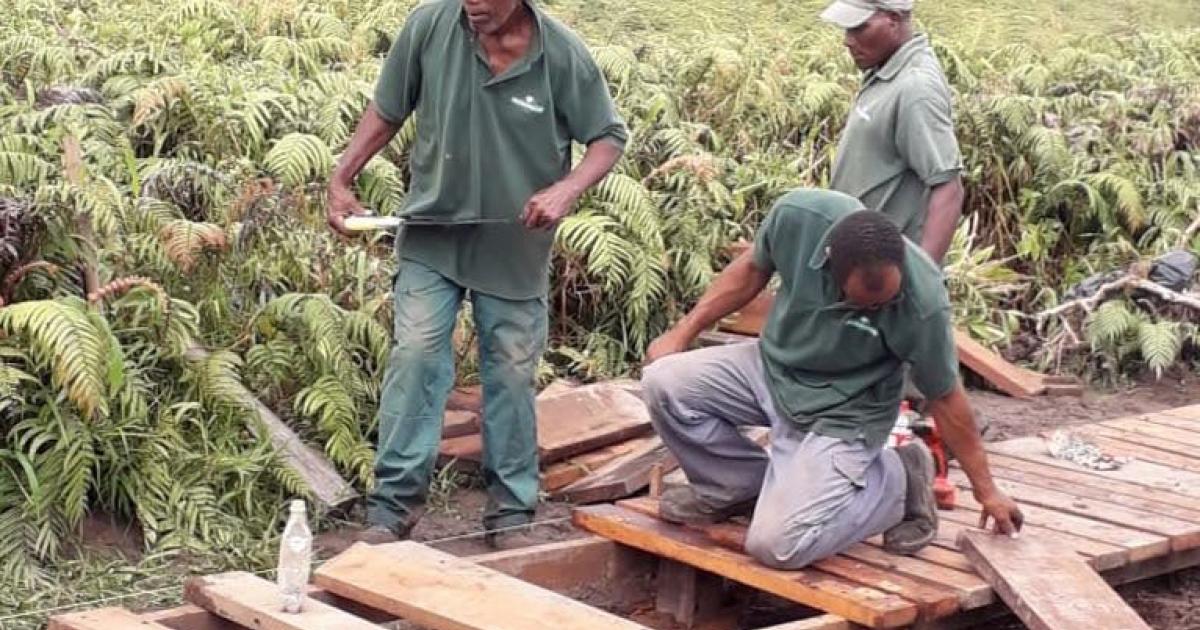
x: 1159, y: 343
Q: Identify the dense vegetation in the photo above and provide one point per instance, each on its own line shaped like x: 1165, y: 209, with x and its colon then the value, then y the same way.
x: 161, y: 168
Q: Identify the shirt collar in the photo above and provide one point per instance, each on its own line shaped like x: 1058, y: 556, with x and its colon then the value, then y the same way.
x: 898, y: 60
x: 536, y: 47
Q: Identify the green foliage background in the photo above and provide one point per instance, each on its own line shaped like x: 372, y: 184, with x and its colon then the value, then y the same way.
x: 177, y: 151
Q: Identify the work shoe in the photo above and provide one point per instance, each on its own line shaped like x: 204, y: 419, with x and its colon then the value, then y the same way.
x: 681, y: 505
x: 381, y: 534
x: 920, y: 522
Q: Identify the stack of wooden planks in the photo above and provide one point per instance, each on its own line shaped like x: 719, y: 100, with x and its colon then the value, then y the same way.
x: 1138, y: 521
x: 368, y: 585
x: 595, y: 442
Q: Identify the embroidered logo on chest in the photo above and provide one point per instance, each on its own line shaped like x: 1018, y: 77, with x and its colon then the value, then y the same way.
x: 529, y: 103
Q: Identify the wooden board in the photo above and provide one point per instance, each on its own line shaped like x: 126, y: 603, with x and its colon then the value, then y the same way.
x: 1140, y: 545
x: 329, y: 490
x: 570, y: 423
x: 437, y: 590
x: 459, y: 423
x: 467, y: 398
x: 562, y: 474
x: 857, y: 603
x: 254, y: 603
x: 1142, y: 426
x: 1187, y: 413
x: 1046, y: 587
x: 928, y: 585
x: 1103, y: 556
x: 102, y: 619
x: 820, y: 622
x: 1008, y: 378
x: 621, y: 477
x: 586, y: 418
x: 1089, y: 486
x: 1182, y: 534
x: 1136, y: 472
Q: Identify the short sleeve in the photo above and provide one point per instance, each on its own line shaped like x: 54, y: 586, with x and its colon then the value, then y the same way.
x: 399, y: 83
x: 762, y: 243
x: 934, y: 356
x: 925, y: 138
x: 586, y: 106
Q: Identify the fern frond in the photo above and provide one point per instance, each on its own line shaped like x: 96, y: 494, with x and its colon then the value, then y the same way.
x: 1160, y: 343
x: 299, y: 158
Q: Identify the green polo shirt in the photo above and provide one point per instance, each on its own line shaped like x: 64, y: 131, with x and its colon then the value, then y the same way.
x: 899, y: 140
x: 485, y: 144
x: 832, y: 369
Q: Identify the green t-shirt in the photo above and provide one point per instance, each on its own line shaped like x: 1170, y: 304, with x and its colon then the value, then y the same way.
x: 485, y: 144
x: 899, y: 140
x: 832, y: 369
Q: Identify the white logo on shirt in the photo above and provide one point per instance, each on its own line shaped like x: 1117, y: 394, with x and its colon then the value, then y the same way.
x: 866, y: 115
x: 529, y: 103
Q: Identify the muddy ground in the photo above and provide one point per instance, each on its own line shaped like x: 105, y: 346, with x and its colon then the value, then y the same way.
x: 1168, y: 603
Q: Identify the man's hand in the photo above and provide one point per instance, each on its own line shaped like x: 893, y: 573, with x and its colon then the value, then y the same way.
x: 670, y: 342
x: 546, y: 208
x: 341, y: 203
x: 1003, y: 511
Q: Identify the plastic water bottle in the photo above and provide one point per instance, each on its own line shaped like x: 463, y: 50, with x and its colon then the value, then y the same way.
x: 295, y: 558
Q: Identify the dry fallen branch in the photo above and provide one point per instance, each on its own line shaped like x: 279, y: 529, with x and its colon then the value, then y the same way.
x: 1128, y: 282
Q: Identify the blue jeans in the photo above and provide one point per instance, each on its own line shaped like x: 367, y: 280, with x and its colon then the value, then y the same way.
x: 418, y: 379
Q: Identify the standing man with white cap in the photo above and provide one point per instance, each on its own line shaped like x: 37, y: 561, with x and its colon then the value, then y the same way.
x: 898, y: 153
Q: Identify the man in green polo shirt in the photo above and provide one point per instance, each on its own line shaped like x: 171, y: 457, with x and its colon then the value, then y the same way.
x: 500, y: 90
x: 898, y: 153
x: 856, y: 300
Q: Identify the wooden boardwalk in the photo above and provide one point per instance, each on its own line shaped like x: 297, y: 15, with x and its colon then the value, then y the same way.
x: 1138, y: 521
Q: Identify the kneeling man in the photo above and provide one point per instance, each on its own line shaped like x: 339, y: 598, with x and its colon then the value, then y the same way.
x: 856, y: 302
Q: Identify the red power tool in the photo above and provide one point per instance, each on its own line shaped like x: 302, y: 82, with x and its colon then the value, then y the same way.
x: 945, y: 491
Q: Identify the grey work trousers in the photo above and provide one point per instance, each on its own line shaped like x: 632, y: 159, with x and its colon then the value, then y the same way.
x: 817, y: 495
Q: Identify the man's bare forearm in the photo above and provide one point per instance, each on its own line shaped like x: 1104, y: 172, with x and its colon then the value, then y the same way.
x: 733, y: 288
x: 372, y: 134
x: 600, y: 158
x: 945, y: 208
x: 956, y: 423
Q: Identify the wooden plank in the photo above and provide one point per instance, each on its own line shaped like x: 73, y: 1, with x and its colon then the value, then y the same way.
x: 1140, y: 545
x: 588, y: 418
x: 327, y: 487
x: 1103, y: 556
x: 820, y: 622
x: 814, y: 588
x: 1048, y: 588
x: 1142, y: 426
x: 1008, y: 378
x: 437, y: 590
x: 111, y: 618
x: 1135, y: 472
x: 466, y: 449
x: 254, y: 602
x: 972, y: 591
x: 559, y: 475
x: 1178, y: 419
x: 1092, y: 487
x: 459, y: 423
x: 621, y: 477
x: 466, y: 398
x: 1186, y: 413
x: 1182, y: 534
x: 1121, y: 443
x: 865, y: 565
x: 935, y: 555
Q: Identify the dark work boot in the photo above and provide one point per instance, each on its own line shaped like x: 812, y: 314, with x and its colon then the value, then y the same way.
x: 920, y: 522
x: 681, y: 505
